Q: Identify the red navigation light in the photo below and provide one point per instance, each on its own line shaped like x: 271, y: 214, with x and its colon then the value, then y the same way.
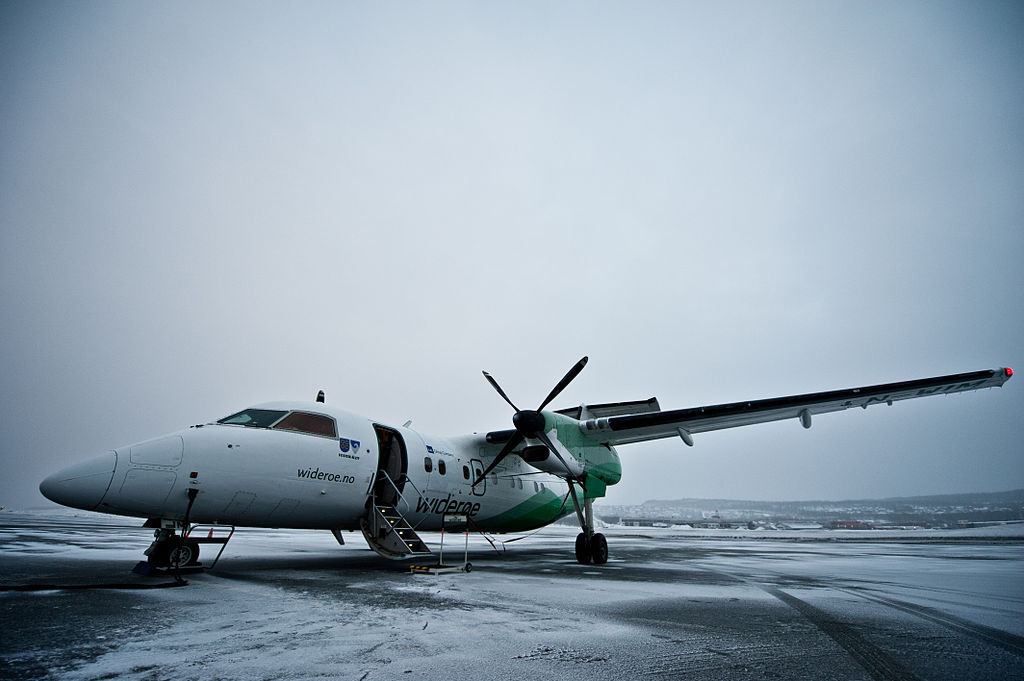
x: 1009, y: 372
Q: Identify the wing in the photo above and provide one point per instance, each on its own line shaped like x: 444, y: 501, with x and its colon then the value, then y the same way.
x: 617, y: 430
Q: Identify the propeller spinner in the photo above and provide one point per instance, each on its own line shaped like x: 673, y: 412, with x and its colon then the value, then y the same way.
x: 529, y: 423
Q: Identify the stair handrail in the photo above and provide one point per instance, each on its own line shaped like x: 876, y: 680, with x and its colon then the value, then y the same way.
x: 408, y: 481
x: 401, y: 497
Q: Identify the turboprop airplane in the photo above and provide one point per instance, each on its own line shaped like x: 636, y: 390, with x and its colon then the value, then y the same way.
x: 312, y: 466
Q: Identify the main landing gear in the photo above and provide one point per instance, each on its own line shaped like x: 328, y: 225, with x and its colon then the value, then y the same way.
x: 591, y: 547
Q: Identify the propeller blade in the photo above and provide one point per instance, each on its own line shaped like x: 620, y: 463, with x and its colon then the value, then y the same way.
x: 505, y: 451
x: 566, y: 380
x: 543, y: 437
x: 528, y: 423
x: 501, y: 392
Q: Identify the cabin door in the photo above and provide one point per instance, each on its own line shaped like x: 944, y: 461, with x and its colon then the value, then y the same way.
x: 392, y: 465
x: 476, y: 469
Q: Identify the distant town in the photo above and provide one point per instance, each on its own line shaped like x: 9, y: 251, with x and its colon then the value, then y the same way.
x: 948, y: 511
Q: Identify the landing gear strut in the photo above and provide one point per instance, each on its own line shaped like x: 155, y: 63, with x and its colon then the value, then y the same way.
x: 171, y: 550
x: 591, y: 547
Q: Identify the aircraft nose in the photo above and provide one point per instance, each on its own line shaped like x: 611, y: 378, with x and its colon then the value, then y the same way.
x: 81, y: 485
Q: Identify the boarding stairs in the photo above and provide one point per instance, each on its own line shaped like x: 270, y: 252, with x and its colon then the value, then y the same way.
x: 388, y: 532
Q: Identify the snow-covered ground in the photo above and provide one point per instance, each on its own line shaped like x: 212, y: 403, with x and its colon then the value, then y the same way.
x: 817, y: 533
x: 671, y: 603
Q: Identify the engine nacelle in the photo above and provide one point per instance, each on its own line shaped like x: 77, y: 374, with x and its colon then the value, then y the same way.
x: 540, y: 457
x: 535, y: 453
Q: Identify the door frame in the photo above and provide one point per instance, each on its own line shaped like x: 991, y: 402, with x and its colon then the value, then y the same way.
x: 386, y: 461
x: 476, y: 466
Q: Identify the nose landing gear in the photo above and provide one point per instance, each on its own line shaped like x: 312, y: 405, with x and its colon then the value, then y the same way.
x: 168, y: 550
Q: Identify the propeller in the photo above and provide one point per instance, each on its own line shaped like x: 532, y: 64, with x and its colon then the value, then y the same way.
x: 529, y: 423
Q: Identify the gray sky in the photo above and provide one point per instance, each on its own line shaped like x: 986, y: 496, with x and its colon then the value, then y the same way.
x: 203, y: 207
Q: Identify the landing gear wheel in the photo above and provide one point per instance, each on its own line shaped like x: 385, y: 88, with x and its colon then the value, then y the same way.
x: 186, y: 554
x: 599, y: 549
x: 159, y: 553
x: 583, y: 548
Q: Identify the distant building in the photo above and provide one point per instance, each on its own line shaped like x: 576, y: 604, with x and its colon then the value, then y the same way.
x: 849, y: 525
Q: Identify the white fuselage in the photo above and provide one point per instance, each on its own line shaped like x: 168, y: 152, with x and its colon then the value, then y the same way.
x: 262, y: 477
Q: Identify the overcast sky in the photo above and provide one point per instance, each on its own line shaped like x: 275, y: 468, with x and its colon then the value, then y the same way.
x: 208, y: 205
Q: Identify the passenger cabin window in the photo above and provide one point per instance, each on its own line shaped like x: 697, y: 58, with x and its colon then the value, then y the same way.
x: 465, y: 472
x: 253, y: 418
x: 440, y: 466
x: 428, y: 464
x: 311, y: 424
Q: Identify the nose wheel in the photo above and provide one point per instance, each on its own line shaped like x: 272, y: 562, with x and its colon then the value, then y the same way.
x: 170, y: 550
x: 186, y: 554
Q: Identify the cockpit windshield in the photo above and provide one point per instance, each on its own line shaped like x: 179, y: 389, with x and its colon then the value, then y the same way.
x: 254, y: 418
x: 296, y: 421
x: 304, y: 422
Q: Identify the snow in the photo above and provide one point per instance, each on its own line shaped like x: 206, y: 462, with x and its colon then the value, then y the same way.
x: 286, y: 604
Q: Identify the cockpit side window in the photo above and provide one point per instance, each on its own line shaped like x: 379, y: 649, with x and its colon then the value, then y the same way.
x: 253, y: 418
x: 304, y: 422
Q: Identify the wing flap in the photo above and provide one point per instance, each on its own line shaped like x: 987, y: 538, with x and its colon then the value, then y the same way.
x: 618, y: 430
x: 595, y: 411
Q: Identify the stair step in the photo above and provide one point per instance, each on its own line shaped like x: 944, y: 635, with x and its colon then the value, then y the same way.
x: 402, y: 539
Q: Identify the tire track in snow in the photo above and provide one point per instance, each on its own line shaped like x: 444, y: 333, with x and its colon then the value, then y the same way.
x: 996, y: 637
x: 878, y: 663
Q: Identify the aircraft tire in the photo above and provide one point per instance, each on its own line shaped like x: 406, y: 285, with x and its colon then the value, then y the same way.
x: 599, y: 549
x: 159, y: 554
x: 582, y: 549
x: 187, y: 554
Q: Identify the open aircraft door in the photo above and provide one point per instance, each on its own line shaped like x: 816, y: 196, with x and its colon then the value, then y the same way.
x: 392, y: 465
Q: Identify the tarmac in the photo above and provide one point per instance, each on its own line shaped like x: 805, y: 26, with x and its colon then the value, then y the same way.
x: 668, y: 605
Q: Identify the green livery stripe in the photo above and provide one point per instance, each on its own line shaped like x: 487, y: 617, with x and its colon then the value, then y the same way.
x: 539, y: 510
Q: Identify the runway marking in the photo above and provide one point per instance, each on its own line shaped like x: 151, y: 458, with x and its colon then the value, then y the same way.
x: 1003, y: 639
x: 878, y: 663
